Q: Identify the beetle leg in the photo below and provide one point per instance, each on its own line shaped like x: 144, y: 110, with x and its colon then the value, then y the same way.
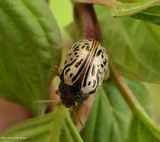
x: 76, y: 117
x: 70, y: 109
x: 58, y: 92
x: 44, y: 101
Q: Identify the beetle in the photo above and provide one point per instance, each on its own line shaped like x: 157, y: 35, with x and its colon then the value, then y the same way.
x: 83, y: 71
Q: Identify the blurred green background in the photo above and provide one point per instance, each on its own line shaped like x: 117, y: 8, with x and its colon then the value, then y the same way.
x: 62, y: 10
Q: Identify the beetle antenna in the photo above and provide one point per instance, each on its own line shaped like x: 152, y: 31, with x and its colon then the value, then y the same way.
x: 44, y: 101
x: 76, y: 117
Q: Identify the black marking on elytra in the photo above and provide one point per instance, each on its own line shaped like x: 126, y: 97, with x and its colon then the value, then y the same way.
x: 80, y: 70
x: 74, y: 46
x: 86, y: 76
x: 70, y: 54
x: 83, y: 46
x: 71, y: 59
x: 102, y: 65
x: 102, y: 56
x: 93, y: 70
x: 65, y: 67
x: 89, y: 83
x: 99, y: 52
x: 93, y: 91
x: 97, y: 83
x: 86, y: 43
x: 87, y: 47
x: 75, y: 53
x: 78, y: 63
x: 94, y: 83
x: 76, y: 49
x: 71, y: 75
x: 67, y: 70
x: 65, y: 62
x: 105, y: 61
x: 77, y: 56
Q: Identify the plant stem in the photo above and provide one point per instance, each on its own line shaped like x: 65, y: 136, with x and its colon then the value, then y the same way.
x: 132, y: 101
x: 86, y: 22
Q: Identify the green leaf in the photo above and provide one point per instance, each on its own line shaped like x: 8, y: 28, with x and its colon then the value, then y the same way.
x: 110, y: 116
x: 147, y: 10
x: 29, y: 50
x: 53, y: 127
x: 133, y: 45
x: 139, y: 133
x: 151, y: 15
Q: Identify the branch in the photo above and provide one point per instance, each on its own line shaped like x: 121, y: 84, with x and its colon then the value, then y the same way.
x: 86, y: 22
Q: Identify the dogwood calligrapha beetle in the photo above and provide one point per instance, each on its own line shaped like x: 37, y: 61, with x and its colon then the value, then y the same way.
x: 83, y: 71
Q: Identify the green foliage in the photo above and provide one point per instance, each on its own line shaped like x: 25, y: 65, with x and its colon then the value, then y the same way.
x: 147, y: 10
x: 110, y: 117
x: 133, y: 44
x: 55, y: 127
x: 139, y: 133
x: 29, y: 48
x: 151, y: 15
